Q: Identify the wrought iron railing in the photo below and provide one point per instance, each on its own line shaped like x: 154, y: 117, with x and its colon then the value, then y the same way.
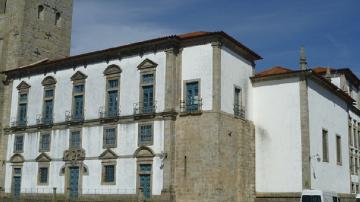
x: 19, y: 123
x: 73, y: 118
x: 44, y: 120
x: 103, y: 114
x: 239, y: 111
x: 141, y: 108
x: 192, y: 105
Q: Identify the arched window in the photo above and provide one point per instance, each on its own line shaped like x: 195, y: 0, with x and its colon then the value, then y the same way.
x: 41, y: 12
x: 58, y: 19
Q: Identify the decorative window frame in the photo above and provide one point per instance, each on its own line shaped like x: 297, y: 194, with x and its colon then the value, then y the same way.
x: 108, y: 163
x: 147, y: 67
x: 106, y: 146
x: 23, y: 141
x: 41, y: 139
x: 48, y: 83
x: 43, y: 165
x: 23, y: 88
x: 78, y: 78
x: 112, y: 72
x: 152, y: 133
x: 144, y: 155
x: 70, y: 133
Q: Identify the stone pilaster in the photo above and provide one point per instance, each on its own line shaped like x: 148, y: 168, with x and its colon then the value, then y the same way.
x: 216, y: 60
x: 305, y: 136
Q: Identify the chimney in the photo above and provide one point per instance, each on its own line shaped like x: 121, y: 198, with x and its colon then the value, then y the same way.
x: 303, y: 62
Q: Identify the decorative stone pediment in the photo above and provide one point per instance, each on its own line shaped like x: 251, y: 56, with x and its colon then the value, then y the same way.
x: 43, y: 157
x: 17, y: 158
x: 23, y: 86
x: 48, y: 81
x: 78, y: 76
x: 108, y: 154
x: 144, y: 152
x: 75, y: 156
x: 147, y: 64
x: 112, y: 69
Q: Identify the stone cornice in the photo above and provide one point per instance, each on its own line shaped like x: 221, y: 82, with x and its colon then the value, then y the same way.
x: 117, y: 53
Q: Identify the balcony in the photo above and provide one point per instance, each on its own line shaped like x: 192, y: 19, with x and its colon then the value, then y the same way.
x: 239, y: 111
x: 191, y: 106
x: 141, y: 109
x: 46, y: 121
x: 108, y: 115
x: 19, y: 123
x: 73, y: 118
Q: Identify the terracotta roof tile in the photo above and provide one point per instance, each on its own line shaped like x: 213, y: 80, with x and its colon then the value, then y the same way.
x: 193, y: 34
x: 273, y: 71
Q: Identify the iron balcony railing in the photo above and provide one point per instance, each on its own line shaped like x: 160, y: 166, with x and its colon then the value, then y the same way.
x: 73, y: 118
x: 44, y: 120
x: 19, y: 123
x: 141, y: 108
x: 239, y: 111
x: 191, y: 105
x: 108, y: 114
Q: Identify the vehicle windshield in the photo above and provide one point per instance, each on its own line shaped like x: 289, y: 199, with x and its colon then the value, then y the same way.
x: 308, y: 198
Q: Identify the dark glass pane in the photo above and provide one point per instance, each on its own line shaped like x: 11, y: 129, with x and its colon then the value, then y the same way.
x: 148, y: 99
x: 308, y: 198
x: 145, y: 167
x: 110, y: 136
x: 78, y: 108
x: 45, y: 142
x: 79, y: 88
x: 22, y: 114
x: 75, y: 139
x: 43, y: 175
x: 145, y: 134
x: 17, y: 171
x: 48, y: 111
x: 112, y: 103
x: 113, y: 83
x: 148, y: 78
x: 23, y: 98
x: 109, y: 173
x: 49, y: 93
x: 19, y: 142
x: 192, y: 97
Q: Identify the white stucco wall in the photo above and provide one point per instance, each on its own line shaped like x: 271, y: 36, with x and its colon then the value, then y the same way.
x: 94, y: 88
x: 235, y: 71
x: 327, y: 111
x: 197, y: 65
x: 276, y: 111
x: 92, y: 141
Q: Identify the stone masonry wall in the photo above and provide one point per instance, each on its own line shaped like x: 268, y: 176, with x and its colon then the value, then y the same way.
x: 215, y: 158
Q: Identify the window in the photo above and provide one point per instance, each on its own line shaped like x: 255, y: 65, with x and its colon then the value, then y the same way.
x: 75, y: 140
x: 147, y: 88
x: 18, y: 143
x: 43, y: 175
x: 351, y: 165
x: 58, y: 19
x: 22, y: 111
x: 354, y: 134
x: 48, y: 106
x: 112, y: 107
x: 2, y: 6
x: 78, y: 107
x: 238, y: 102
x: 192, y: 99
x: 350, y: 133
x: 325, y: 147
x: 45, y: 142
x: 109, y: 173
x: 145, y: 134
x: 109, y: 137
x: 41, y: 12
x: 338, y: 150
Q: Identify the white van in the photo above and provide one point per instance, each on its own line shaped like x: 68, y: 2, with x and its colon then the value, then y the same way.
x: 318, y: 196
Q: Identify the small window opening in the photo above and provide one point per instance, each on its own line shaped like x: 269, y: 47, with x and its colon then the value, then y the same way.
x: 41, y: 12
x: 58, y: 19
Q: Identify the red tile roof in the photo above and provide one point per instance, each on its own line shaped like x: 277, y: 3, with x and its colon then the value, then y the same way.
x: 193, y: 34
x: 273, y: 71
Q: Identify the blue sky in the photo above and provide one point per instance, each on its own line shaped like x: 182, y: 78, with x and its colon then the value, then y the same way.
x: 328, y: 29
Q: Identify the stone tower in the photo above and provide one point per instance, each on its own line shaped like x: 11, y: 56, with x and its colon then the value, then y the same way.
x: 30, y: 31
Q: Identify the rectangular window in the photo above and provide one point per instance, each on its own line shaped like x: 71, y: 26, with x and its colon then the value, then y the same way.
x: 44, y: 142
x: 145, y: 179
x: 338, y: 150
x: 192, y: 96
x: 350, y: 133
x: 48, y: 106
x: 351, y: 165
x: 146, y: 134
x: 75, y: 140
x: 22, y: 110
x: 355, y: 135
x: 79, y: 88
x: 147, y: 104
x: 109, y: 173
x: 19, y: 143
x: 109, y: 137
x: 43, y: 175
x: 112, y: 105
x: 78, y: 107
x: 325, y: 146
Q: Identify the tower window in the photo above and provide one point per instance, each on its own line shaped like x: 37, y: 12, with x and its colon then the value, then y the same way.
x: 58, y: 19
x: 41, y: 12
